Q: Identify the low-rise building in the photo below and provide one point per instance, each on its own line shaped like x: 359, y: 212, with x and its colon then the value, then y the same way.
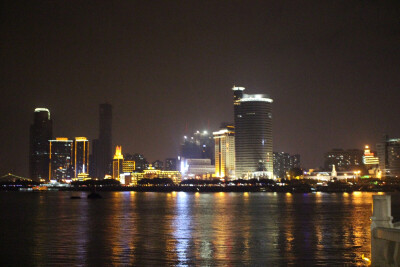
x: 197, y: 168
x: 151, y: 173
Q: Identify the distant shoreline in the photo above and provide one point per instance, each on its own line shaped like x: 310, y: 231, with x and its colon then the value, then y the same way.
x: 211, y: 189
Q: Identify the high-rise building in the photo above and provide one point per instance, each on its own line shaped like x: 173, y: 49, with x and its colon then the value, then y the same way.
x: 198, y: 146
x: 225, y: 152
x: 60, y: 159
x: 94, y: 158
x: 118, y: 161
x: 41, y: 131
x: 344, y: 160
x: 80, y: 156
x: 102, y: 147
x: 389, y: 156
x: 284, y: 162
x: 253, y: 134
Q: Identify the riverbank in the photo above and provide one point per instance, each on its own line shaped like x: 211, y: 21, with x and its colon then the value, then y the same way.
x: 283, y: 189
x: 291, y: 186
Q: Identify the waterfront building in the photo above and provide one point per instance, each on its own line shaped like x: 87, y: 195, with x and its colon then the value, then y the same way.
x: 225, y: 152
x: 284, y: 162
x: 197, y: 168
x: 344, y: 160
x: 60, y: 155
x: 198, y: 146
x: 150, y: 173
x: 253, y: 134
x: 117, y: 163
x: 41, y: 131
x: 80, y: 157
x: 389, y: 156
x: 171, y: 164
x: 102, y: 147
x: 126, y: 179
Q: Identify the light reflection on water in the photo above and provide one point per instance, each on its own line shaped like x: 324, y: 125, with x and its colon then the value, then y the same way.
x: 128, y: 228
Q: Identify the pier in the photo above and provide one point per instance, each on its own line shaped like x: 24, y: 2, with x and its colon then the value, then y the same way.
x: 385, y: 235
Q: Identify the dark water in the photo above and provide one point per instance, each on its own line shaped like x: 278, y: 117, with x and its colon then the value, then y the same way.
x: 207, y: 229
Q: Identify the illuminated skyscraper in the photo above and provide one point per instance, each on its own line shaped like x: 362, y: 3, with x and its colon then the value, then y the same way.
x: 60, y: 159
x: 41, y: 132
x: 253, y: 134
x: 80, y: 156
x: 225, y: 152
x: 117, y: 163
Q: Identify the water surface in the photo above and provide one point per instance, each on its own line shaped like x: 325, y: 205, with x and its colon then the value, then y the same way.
x: 131, y: 228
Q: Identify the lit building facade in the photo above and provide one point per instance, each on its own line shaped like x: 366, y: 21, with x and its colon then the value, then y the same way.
x: 344, y: 160
x: 197, y: 168
x: 128, y: 166
x: 41, y: 131
x: 225, y: 152
x: 389, y: 157
x: 371, y: 163
x: 151, y: 173
x: 253, y: 134
x: 80, y: 156
x: 369, y: 158
x: 117, y: 163
x: 60, y: 159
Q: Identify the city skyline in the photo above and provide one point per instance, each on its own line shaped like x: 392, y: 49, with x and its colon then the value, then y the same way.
x: 331, y: 69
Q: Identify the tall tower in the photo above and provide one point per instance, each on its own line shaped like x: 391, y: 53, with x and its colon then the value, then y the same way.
x: 81, y: 156
x: 103, y: 153
x: 253, y: 134
x: 225, y: 152
x: 41, y: 132
x: 60, y: 159
x: 118, y: 161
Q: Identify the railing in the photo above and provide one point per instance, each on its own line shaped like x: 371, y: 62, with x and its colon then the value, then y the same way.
x: 385, y: 236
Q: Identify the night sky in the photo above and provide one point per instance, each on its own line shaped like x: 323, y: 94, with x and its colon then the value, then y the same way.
x: 332, y: 68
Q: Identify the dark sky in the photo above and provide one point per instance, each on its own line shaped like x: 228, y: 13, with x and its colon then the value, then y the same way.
x: 332, y: 68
